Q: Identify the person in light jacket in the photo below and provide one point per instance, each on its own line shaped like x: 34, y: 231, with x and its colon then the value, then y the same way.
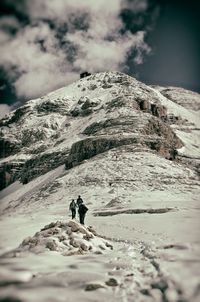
x: 72, y: 208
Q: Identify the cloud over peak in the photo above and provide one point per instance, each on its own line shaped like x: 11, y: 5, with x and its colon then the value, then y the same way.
x: 64, y: 38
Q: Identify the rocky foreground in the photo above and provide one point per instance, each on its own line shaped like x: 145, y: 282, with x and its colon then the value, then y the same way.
x: 72, y: 260
x: 67, y: 238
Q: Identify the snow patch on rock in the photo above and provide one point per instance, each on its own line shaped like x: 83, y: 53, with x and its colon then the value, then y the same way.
x: 67, y: 238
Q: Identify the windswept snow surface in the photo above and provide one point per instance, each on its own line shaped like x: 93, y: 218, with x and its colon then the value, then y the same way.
x: 145, y: 205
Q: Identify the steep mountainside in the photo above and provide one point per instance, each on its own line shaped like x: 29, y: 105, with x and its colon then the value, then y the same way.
x: 95, y: 114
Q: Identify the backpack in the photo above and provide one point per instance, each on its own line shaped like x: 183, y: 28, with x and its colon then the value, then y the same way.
x: 83, y: 209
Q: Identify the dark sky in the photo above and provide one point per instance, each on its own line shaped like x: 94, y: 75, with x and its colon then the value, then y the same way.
x: 175, y: 43
x: 44, y: 47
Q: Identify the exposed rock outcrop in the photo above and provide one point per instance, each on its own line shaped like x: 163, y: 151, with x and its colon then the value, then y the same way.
x: 90, y: 147
x: 66, y: 238
x: 9, y: 172
x: 128, y: 124
x: 41, y: 164
x: 8, y: 147
x: 153, y: 108
x: 84, y: 74
x: 15, y: 117
x: 156, y: 136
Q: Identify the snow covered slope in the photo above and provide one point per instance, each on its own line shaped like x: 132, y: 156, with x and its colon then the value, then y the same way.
x: 186, y: 98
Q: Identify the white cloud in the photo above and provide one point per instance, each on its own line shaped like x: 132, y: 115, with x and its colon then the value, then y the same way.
x: 9, y: 23
x: 39, y: 71
x: 36, y: 61
x: 137, y: 6
x: 60, y: 10
x: 4, y: 109
x: 99, y: 55
x: 37, y: 83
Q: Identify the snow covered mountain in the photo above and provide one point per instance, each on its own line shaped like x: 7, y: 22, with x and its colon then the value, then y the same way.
x: 93, y: 115
x: 130, y: 150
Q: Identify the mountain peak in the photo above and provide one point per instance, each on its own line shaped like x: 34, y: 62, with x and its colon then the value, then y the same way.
x: 91, y: 116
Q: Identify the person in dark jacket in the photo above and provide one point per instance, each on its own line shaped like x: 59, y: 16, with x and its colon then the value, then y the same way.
x: 82, y: 211
x: 72, y: 208
x: 79, y: 200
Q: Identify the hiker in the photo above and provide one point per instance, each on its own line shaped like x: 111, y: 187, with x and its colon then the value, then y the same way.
x: 72, y: 208
x: 79, y: 200
x: 82, y: 211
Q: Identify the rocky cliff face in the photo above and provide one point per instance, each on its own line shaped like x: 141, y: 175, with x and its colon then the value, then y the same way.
x: 101, y: 112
